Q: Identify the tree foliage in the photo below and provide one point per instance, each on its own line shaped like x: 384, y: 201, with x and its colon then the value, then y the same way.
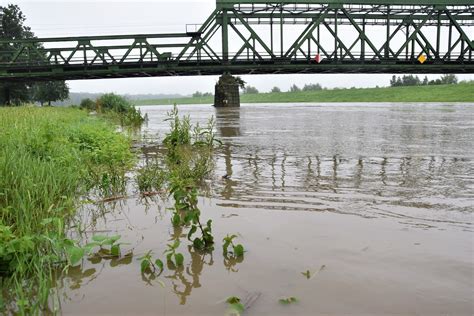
x: 49, y: 91
x: 16, y: 93
x: 410, y: 80
x: 312, y: 87
x: 295, y: 88
x: 250, y: 90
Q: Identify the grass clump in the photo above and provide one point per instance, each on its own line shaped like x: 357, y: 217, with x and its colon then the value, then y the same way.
x: 49, y: 159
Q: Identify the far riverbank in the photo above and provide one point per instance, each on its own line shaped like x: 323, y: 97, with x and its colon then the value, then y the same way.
x: 463, y: 92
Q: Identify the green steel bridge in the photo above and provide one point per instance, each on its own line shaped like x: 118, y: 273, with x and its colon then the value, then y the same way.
x: 266, y: 37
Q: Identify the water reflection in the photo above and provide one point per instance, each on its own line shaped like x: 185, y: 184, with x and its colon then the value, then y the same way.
x: 430, y: 186
x: 185, y: 279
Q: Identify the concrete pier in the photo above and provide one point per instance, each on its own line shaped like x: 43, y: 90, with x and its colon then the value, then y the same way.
x: 227, y: 92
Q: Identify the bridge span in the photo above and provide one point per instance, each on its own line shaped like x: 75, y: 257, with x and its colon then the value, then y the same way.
x: 266, y: 37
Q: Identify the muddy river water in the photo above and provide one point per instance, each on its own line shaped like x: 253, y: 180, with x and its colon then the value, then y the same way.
x: 376, y: 201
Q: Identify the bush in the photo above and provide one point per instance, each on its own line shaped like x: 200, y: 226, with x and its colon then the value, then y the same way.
x: 87, y: 104
x: 128, y: 115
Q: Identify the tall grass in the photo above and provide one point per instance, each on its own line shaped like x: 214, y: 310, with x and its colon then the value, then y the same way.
x: 49, y: 159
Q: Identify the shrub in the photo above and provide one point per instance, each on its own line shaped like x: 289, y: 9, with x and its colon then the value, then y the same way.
x: 87, y: 104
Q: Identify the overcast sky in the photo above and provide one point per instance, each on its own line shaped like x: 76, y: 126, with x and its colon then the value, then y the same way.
x: 100, y: 17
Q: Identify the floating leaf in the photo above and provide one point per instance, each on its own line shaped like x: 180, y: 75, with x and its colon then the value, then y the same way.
x: 239, y: 250
x: 111, y: 240
x: 99, y: 238
x: 145, y: 265
x: 288, y: 300
x: 74, y: 255
x: 159, y: 264
x: 115, y: 250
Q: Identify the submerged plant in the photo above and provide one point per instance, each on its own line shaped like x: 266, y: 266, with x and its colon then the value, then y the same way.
x: 235, y: 306
x: 236, y: 251
x: 177, y: 259
x: 288, y: 300
x: 150, y: 266
x: 150, y: 177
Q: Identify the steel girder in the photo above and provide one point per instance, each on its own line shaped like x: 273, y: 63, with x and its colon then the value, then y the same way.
x: 257, y: 37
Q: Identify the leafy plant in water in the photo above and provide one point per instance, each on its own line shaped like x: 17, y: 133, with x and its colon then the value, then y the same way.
x: 235, y: 306
x: 177, y: 259
x: 288, y: 300
x: 187, y: 213
x: 75, y: 253
x: 150, y: 177
x: 237, y: 250
x: 150, y: 266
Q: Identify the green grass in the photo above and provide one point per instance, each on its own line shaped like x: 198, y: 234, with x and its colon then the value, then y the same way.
x: 463, y: 92
x: 49, y: 159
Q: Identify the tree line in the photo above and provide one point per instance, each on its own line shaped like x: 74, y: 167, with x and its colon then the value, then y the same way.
x: 411, y: 80
x: 15, y: 93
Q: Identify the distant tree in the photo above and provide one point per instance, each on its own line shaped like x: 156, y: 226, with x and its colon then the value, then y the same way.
x: 250, y: 90
x: 449, y: 79
x: 207, y: 94
x: 410, y: 80
x: 425, y: 80
x: 312, y: 87
x: 393, y: 81
x: 50, y: 91
x: 13, y: 93
x: 197, y: 94
x: 276, y: 90
x: 294, y: 88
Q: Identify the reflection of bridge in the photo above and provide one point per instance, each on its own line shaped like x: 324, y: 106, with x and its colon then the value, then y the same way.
x: 257, y: 37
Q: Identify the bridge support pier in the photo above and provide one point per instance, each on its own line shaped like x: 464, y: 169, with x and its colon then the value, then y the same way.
x: 227, y: 92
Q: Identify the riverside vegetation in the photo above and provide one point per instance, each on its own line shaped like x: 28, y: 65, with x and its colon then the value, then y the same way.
x: 461, y: 92
x: 52, y: 160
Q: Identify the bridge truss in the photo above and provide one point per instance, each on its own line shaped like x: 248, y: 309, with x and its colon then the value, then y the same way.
x: 258, y: 37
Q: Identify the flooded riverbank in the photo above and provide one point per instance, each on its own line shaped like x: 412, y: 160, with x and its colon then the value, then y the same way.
x: 374, y: 201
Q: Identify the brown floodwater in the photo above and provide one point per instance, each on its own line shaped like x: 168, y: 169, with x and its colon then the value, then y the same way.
x: 376, y: 201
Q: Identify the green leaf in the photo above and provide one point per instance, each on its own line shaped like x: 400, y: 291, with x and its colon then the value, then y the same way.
x: 159, y: 264
x: 111, y: 240
x: 74, y: 255
x: 192, y: 231
x: 179, y: 259
x: 115, y: 250
x: 88, y: 247
x: 289, y: 300
x: 176, y: 219
x: 99, y: 238
x: 198, y: 244
x: 239, y: 250
x: 233, y: 300
x: 237, y: 307
x: 209, y: 225
x: 225, y: 247
x: 145, y: 265
x: 175, y: 244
